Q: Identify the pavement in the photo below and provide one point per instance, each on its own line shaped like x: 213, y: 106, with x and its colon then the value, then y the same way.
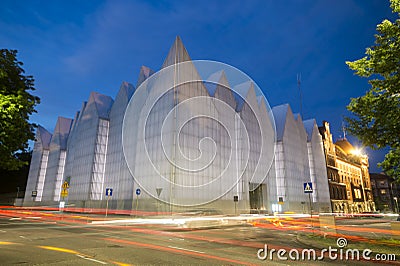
x: 50, y: 237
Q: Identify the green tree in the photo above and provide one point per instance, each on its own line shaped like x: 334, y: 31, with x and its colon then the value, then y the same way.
x: 16, y: 105
x: 376, y: 120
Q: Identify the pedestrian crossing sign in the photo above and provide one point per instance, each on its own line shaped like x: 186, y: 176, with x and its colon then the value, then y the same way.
x: 308, y: 187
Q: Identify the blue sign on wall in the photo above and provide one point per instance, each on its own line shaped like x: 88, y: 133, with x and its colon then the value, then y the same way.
x: 138, y: 191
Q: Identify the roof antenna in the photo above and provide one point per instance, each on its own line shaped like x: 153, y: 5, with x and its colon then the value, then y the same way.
x: 344, y: 130
x: 300, y: 93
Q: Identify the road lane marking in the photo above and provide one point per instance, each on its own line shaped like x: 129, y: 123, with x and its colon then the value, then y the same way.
x: 2, y: 231
x: 187, y: 249
x: 120, y: 263
x: 70, y: 251
x: 168, y: 249
x: 87, y: 258
x: 7, y: 243
x: 15, y: 218
x: 59, y: 249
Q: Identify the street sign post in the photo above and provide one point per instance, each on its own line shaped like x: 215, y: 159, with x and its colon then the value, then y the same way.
x: 63, y: 194
x: 34, y: 195
x: 158, y: 190
x: 138, y: 191
x: 308, y: 189
x: 235, y: 200
x: 64, y: 189
x: 109, y: 192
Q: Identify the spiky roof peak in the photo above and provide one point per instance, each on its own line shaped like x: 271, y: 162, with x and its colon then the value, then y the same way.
x: 280, y: 113
x: 177, y: 54
x: 309, y: 126
x: 145, y: 73
x: 62, y: 130
x: 103, y: 104
x: 44, y: 137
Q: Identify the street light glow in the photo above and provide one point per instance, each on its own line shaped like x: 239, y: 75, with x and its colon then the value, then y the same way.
x: 357, y: 152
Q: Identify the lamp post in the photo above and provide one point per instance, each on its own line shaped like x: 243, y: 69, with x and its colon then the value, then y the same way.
x: 396, y: 205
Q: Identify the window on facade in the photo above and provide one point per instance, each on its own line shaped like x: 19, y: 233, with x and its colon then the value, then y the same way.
x: 357, y: 193
x: 383, y: 191
x: 382, y: 183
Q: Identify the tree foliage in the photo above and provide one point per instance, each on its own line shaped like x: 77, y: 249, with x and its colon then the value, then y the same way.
x: 376, y: 120
x: 16, y: 105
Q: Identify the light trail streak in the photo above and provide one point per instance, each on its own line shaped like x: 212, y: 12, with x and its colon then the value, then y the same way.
x: 179, y: 251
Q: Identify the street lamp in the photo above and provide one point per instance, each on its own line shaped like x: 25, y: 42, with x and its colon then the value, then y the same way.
x: 396, y: 205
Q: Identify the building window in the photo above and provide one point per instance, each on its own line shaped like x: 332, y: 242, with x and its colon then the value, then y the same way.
x: 383, y: 191
x: 357, y: 193
x: 42, y: 175
x: 382, y: 183
x: 99, y: 161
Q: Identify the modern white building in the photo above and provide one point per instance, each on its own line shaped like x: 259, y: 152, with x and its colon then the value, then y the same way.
x: 178, y: 142
x: 38, y: 167
x: 56, y: 160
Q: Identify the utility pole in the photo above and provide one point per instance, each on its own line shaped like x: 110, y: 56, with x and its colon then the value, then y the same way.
x: 300, y: 94
x: 344, y: 130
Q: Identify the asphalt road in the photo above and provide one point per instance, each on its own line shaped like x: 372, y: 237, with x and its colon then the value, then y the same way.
x: 51, y: 239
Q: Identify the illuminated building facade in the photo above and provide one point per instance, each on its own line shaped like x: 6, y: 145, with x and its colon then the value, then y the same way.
x: 166, y: 144
x: 299, y: 159
x: 386, y: 192
x: 348, y: 176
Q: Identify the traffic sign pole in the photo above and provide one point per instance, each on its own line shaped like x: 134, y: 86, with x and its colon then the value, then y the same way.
x: 137, y: 202
x: 137, y: 198
x: 308, y: 188
x: 108, y: 197
x: 109, y: 192
x: 235, y: 200
x: 64, y: 194
x: 158, y: 190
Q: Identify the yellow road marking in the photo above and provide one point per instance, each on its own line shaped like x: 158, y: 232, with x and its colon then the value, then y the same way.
x: 121, y: 264
x: 7, y: 243
x: 59, y: 249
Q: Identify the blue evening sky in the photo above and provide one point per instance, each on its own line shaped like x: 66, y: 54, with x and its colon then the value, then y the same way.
x: 74, y: 47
